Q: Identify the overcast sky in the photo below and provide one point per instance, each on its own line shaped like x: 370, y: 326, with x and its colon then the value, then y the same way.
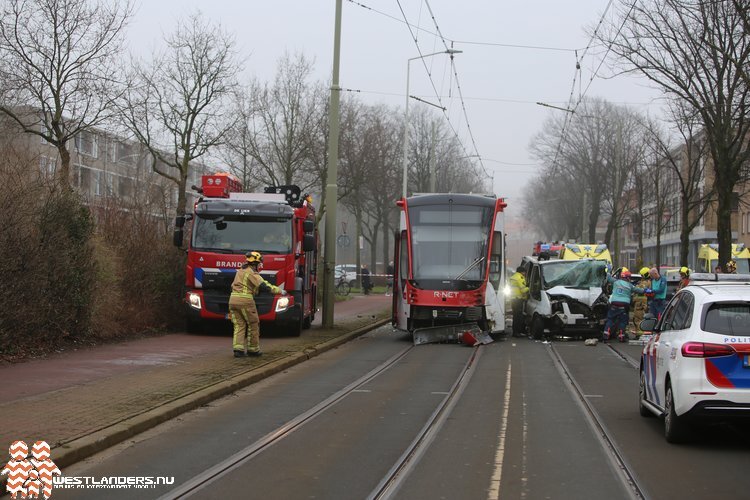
x: 500, y: 85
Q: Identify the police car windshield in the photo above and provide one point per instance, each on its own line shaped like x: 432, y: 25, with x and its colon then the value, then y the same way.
x: 239, y: 235
x: 574, y: 274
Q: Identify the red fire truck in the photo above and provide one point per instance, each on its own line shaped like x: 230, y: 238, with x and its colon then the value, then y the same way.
x: 227, y: 223
x: 449, y: 266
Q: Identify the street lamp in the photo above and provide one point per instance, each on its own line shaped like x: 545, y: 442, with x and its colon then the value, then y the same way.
x: 406, y: 109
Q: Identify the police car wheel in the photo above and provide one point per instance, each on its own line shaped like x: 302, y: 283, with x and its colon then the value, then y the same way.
x: 675, y: 427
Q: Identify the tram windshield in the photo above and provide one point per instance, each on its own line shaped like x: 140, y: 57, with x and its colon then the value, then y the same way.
x: 449, y: 242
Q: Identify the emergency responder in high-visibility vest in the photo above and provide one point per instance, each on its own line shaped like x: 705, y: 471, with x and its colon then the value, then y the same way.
x: 619, y: 305
x: 659, y: 290
x: 684, y: 277
x: 247, y: 283
x: 640, y: 302
x: 519, y: 292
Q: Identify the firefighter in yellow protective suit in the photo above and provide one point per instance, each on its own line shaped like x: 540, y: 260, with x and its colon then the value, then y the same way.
x: 640, y: 302
x: 519, y: 292
x: 247, y: 283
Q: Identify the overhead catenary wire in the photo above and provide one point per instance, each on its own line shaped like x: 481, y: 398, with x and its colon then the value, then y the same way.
x: 458, y: 88
x: 467, y: 42
x: 432, y: 82
x: 571, y: 113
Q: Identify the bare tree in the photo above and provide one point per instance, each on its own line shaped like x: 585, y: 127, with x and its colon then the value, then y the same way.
x: 176, y: 105
x: 577, y: 148
x: 687, y: 161
x: 692, y: 50
x: 237, y: 151
x: 58, y: 67
x: 624, y: 154
x: 284, y: 113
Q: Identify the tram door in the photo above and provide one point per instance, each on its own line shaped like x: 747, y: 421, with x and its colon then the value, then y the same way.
x: 400, y: 273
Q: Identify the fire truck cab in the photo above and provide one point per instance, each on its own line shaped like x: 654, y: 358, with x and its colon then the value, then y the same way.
x: 226, y: 223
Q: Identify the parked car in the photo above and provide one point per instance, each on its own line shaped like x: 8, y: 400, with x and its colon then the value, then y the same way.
x: 696, y: 366
x: 351, y: 273
x: 565, y: 297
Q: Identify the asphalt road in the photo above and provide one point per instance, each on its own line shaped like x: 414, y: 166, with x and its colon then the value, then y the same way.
x: 517, y: 431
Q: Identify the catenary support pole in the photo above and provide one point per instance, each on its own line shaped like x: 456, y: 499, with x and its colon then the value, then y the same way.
x: 332, y: 174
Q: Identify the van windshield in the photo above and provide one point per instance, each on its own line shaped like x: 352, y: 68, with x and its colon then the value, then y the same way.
x: 573, y: 273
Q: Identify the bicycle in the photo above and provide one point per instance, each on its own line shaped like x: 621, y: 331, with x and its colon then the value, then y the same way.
x: 343, y: 287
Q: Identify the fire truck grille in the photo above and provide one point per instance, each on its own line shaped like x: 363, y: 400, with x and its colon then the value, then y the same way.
x: 217, y: 281
x: 218, y: 303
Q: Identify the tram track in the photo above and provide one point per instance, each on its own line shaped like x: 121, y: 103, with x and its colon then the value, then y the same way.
x: 624, y: 471
x: 390, y: 483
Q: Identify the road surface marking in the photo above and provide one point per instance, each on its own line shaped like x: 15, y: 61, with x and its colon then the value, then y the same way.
x: 500, y: 453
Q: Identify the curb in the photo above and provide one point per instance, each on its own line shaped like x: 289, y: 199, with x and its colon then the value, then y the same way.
x: 83, y: 447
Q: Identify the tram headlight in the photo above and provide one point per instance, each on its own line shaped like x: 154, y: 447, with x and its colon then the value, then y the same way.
x: 506, y: 290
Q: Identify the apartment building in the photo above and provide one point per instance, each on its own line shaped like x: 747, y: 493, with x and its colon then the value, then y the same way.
x: 669, y: 219
x: 106, y: 167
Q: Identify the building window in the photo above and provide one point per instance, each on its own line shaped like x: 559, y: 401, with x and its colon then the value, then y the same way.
x: 47, y: 166
x: 110, y: 179
x: 126, y: 187
x: 125, y: 153
x: 735, y: 202
x: 86, y: 144
x: 96, y: 182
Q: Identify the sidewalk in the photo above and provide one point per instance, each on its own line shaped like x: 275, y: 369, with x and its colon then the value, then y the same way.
x: 84, y: 401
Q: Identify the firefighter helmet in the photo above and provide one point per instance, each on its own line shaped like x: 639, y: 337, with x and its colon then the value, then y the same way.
x: 625, y: 274
x: 731, y: 266
x: 684, y: 270
x: 253, y: 257
x: 644, y: 271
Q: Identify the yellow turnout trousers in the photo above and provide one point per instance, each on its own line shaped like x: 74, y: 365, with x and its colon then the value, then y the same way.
x: 246, y: 324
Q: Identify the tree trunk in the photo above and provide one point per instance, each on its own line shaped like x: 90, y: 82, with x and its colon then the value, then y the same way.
x: 724, y: 227
x: 63, y: 171
x: 639, y: 228
x: 386, y: 241
x: 593, y: 220
x: 684, y: 232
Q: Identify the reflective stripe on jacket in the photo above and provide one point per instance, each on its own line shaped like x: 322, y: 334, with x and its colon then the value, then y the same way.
x: 247, y: 283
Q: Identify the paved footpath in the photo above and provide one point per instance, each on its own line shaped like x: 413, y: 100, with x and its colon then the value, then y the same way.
x: 84, y: 401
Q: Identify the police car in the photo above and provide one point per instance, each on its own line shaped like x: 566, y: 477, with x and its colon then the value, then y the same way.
x: 696, y: 366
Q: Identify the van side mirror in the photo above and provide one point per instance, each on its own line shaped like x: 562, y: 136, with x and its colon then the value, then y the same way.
x: 308, y: 226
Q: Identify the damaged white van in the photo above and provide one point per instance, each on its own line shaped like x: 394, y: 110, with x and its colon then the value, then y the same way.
x: 565, y: 297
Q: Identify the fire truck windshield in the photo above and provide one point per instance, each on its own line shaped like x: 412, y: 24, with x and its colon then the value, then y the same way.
x: 447, y: 239
x: 230, y: 234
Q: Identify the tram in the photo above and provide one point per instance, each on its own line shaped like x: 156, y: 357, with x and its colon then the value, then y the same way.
x: 450, y: 262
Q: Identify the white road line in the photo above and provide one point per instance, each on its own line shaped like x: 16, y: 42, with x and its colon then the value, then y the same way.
x: 494, y: 493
